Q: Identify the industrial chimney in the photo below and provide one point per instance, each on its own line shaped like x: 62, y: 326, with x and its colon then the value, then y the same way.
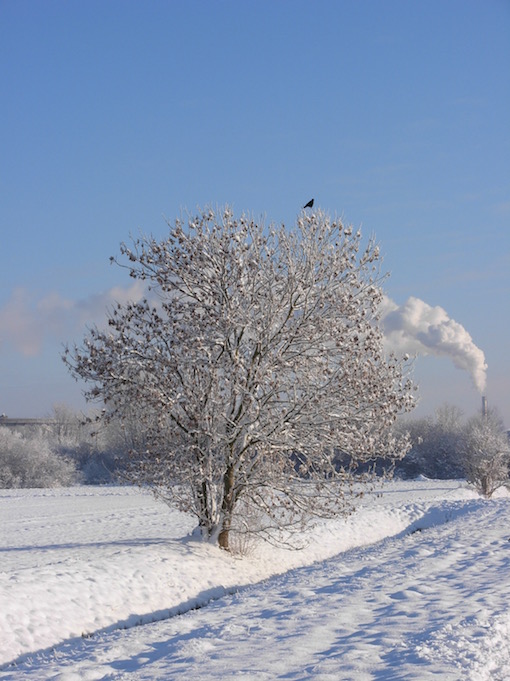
x: 484, y: 407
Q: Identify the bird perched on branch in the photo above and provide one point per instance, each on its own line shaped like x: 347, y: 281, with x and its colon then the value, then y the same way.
x: 309, y: 204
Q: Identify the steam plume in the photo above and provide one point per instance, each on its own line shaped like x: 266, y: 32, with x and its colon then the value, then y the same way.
x: 418, y: 328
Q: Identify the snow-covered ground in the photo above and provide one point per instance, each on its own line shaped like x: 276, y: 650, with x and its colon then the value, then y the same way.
x: 414, y: 585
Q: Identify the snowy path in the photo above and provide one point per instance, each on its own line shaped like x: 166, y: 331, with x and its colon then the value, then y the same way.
x: 77, y: 561
x: 432, y: 604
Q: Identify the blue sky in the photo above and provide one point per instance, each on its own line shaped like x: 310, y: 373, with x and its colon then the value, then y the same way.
x: 118, y: 114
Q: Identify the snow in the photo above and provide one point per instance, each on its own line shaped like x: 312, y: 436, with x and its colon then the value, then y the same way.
x: 414, y: 585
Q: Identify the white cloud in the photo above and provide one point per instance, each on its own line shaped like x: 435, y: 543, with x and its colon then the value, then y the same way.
x: 26, y: 322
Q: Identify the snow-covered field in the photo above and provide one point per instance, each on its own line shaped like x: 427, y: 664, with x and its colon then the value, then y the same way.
x: 414, y: 585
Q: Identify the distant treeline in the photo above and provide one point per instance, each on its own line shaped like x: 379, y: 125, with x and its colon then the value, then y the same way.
x: 69, y: 448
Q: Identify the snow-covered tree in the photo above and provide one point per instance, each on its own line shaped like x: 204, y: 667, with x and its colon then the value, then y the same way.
x: 29, y: 461
x: 436, y: 444
x: 253, y: 361
x: 97, y: 452
x: 66, y: 427
x: 486, y: 453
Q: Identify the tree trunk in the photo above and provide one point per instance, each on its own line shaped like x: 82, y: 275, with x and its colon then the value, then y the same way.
x: 203, y: 500
x: 223, y: 537
x: 227, y: 508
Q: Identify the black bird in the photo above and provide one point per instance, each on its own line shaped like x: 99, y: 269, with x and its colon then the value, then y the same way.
x: 309, y: 204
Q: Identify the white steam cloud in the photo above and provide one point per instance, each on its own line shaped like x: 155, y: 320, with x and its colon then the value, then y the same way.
x: 417, y: 328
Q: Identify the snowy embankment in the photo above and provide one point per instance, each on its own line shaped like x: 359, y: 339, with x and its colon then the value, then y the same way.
x: 84, y: 560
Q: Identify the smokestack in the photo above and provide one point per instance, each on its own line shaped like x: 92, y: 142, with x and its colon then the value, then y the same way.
x: 484, y: 407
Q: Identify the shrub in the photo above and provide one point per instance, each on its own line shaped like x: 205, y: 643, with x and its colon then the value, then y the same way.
x: 30, y: 462
x: 486, y: 454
